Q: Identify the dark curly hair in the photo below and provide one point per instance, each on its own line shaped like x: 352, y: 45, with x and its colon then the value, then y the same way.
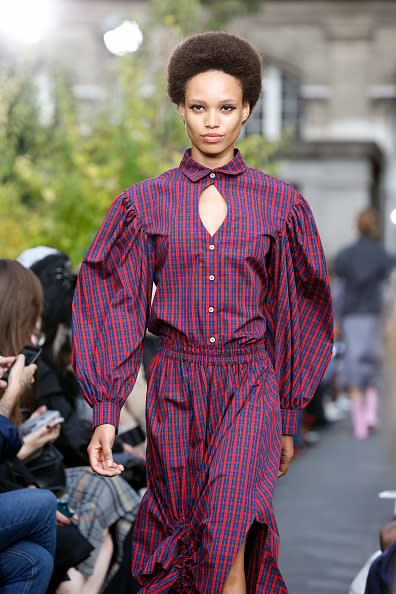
x: 215, y: 50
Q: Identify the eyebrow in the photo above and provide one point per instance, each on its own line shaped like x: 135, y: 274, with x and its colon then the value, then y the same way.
x: 192, y: 100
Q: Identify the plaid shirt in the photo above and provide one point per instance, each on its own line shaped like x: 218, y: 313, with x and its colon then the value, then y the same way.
x: 261, y: 276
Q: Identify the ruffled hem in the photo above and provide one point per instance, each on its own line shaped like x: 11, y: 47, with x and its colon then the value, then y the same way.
x: 170, y: 568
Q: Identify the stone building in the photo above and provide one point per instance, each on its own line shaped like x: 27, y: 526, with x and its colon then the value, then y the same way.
x: 329, y: 76
x: 330, y: 72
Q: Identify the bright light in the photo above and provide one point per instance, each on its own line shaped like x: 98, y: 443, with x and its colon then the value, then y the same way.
x: 124, y: 39
x: 393, y: 216
x: 25, y: 21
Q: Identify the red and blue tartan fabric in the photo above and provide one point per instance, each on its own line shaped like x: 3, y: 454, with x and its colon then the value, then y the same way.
x: 259, y: 284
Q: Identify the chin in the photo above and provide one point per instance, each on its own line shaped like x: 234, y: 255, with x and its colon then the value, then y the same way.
x: 212, y: 149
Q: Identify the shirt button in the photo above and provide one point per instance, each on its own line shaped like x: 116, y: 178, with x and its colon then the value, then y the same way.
x: 211, y: 309
x: 212, y: 175
x: 211, y: 276
x: 212, y: 339
x: 211, y: 247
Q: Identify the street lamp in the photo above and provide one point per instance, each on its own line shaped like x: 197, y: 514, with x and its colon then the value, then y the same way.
x: 25, y: 21
x: 124, y: 39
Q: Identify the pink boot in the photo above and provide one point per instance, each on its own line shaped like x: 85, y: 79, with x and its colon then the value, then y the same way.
x: 371, y: 408
x: 359, y: 423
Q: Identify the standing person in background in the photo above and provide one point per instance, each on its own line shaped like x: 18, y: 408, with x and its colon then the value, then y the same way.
x: 243, y: 311
x: 363, y: 267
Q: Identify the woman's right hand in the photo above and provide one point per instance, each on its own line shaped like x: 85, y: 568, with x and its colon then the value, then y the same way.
x: 21, y: 376
x: 20, y: 379
x: 100, y: 451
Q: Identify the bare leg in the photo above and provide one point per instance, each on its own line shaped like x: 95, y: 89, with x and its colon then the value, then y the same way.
x: 102, y: 564
x: 236, y: 579
x: 78, y: 583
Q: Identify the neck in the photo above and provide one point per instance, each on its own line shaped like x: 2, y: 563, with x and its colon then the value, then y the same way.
x: 212, y: 161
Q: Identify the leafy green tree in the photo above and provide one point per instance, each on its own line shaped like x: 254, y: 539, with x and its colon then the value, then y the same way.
x: 57, y: 181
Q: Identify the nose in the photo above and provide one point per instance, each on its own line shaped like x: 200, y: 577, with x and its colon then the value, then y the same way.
x: 212, y: 118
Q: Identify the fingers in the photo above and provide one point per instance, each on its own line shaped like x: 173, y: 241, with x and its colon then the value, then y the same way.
x: 287, y: 453
x: 21, y: 375
x: 100, y: 451
x: 5, y: 362
x: 28, y: 373
x: 283, y: 468
x: 39, y: 411
x: 103, y: 463
x: 61, y: 519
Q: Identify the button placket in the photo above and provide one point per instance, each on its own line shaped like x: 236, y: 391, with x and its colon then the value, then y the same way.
x: 212, y: 338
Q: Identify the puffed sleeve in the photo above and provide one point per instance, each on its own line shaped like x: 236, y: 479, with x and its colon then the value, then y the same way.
x: 110, y: 310
x: 298, y: 312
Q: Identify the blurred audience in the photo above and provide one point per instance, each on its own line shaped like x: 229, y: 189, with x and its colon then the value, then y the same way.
x: 105, y: 509
x: 27, y: 518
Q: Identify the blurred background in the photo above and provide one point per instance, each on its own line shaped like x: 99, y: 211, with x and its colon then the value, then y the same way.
x: 83, y: 81
x: 84, y: 114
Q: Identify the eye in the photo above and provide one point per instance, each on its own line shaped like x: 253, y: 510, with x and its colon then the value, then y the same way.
x: 196, y: 107
x: 228, y: 108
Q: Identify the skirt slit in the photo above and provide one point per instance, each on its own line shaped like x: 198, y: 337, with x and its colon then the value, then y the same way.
x: 213, y: 449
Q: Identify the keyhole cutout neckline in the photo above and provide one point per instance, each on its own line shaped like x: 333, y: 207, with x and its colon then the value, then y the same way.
x: 212, y: 209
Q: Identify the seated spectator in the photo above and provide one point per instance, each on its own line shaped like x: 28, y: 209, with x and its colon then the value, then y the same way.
x: 377, y: 576
x: 382, y: 572
x: 105, y: 508
x: 27, y: 518
x: 56, y: 386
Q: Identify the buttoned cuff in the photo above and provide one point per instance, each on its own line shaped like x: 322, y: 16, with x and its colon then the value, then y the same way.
x: 289, y: 421
x: 105, y: 412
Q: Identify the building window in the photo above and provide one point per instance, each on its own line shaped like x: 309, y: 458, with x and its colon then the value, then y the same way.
x: 279, y: 107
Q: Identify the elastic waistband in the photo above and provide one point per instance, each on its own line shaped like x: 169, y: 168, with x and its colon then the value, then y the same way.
x: 202, y: 353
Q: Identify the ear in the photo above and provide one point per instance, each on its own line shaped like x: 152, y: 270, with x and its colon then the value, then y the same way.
x: 182, y: 111
x: 245, y: 111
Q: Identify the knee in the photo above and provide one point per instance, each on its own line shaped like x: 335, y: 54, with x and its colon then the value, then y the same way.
x: 26, y: 563
x: 45, y: 498
x: 45, y: 563
x: 46, y: 502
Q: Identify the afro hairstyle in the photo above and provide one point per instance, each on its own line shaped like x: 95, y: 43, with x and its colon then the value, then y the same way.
x: 215, y: 50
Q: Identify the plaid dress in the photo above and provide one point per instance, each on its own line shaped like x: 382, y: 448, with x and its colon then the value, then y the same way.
x: 245, y: 321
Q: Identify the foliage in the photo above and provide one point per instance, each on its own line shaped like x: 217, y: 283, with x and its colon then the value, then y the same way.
x: 222, y: 11
x: 57, y: 179
x: 56, y: 183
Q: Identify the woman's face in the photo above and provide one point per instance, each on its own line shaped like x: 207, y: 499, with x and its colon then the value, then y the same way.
x: 213, y: 113
x: 36, y: 334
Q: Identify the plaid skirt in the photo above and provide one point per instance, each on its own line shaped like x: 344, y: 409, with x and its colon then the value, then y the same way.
x: 213, y: 449
x: 100, y: 502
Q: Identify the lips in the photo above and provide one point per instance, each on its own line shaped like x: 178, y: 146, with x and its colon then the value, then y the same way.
x: 212, y: 137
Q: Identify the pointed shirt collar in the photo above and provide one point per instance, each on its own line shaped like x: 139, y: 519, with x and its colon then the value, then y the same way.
x: 195, y: 171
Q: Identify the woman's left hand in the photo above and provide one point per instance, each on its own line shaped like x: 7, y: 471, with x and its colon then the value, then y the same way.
x: 37, y: 439
x: 63, y: 520
x: 287, y: 453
